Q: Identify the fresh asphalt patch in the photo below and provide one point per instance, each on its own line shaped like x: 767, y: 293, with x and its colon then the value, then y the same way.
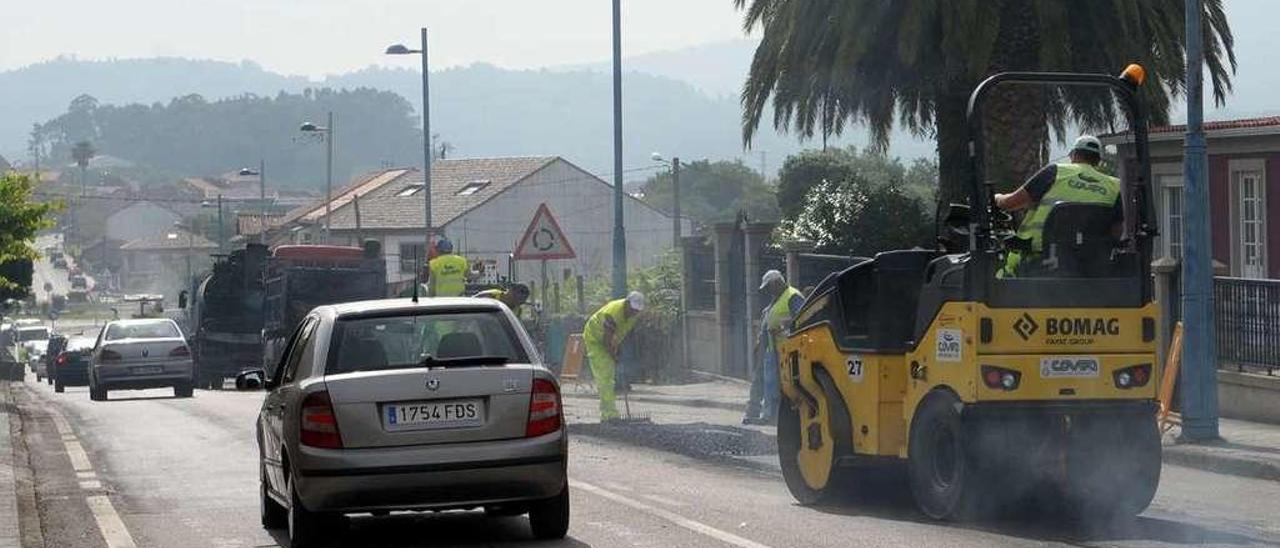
x: 699, y: 440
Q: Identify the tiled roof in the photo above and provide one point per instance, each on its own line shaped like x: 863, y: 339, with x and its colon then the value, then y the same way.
x: 1247, y: 123
x: 383, y: 207
x: 315, y: 210
x: 180, y: 241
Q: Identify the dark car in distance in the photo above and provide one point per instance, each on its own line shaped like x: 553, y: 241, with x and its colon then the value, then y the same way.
x: 71, y: 366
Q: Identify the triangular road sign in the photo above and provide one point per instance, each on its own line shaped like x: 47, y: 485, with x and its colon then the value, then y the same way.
x: 544, y: 240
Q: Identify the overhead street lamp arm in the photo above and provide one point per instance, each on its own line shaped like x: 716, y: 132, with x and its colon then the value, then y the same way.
x: 400, y: 49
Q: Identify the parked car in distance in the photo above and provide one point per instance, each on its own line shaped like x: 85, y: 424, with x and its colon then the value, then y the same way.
x: 394, y: 405
x: 33, y: 340
x: 140, y: 354
x: 57, y: 343
x: 71, y: 366
x: 78, y: 281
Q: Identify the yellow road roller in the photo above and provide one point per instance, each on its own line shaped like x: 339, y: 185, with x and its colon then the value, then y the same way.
x: 988, y: 386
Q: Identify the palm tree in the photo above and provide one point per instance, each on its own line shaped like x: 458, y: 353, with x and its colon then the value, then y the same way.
x: 825, y: 64
x: 82, y: 152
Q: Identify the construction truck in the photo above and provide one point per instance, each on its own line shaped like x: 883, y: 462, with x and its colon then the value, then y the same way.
x: 988, y: 388
x: 247, y: 307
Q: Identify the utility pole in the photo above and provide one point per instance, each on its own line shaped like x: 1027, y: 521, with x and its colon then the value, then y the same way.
x: 262, y: 201
x: 675, y: 204
x: 426, y: 139
x: 619, y: 228
x: 222, y: 233
x: 1199, y: 357
x: 328, y: 178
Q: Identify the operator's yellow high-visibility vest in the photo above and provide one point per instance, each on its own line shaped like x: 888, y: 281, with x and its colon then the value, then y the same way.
x: 1075, y: 184
x: 780, y: 312
x: 448, y: 275
x: 593, y: 332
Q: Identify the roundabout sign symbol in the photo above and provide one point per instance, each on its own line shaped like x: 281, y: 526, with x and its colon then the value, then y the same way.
x: 543, y: 240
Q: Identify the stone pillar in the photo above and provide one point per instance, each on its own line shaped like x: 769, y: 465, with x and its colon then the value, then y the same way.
x: 1166, y: 272
x: 794, y: 250
x: 725, y: 233
x: 756, y: 237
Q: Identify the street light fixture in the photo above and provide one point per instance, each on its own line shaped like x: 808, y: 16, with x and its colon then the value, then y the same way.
x: 326, y: 132
x: 401, y: 49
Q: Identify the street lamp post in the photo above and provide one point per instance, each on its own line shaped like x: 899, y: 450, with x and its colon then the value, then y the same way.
x: 679, y: 250
x: 262, y: 197
x: 619, y: 228
x: 400, y: 49
x: 326, y: 132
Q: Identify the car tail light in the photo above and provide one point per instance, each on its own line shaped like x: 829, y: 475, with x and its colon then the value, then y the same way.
x: 318, y: 423
x: 61, y: 359
x: 999, y: 378
x: 180, y: 352
x: 1132, y: 377
x: 108, y: 355
x: 544, y: 409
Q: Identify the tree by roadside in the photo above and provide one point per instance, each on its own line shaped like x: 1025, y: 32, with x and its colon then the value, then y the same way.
x: 858, y: 217
x: 824, y: 64
x: 20, y: 219
x: 803, y: 171
x: 714, y: 191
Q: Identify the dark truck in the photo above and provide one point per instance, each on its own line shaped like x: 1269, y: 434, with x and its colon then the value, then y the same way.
x: 247, y: 307
x: 302, y: 277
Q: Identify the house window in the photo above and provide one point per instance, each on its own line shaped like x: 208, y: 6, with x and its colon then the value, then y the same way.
x: 409, y: 190
x: 1171, y: 215
x: 410, y: 256
x: 1250, y: 222
x: 473, y: 187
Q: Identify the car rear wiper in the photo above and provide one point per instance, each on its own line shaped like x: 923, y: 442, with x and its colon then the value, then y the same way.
x: 432, y: 361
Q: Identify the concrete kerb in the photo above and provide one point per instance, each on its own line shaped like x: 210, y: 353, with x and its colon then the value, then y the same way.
x: 9, y: 525
x: 1220, y: 458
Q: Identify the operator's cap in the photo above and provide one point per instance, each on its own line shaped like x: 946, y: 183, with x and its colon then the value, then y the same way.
x: 770, y: 277
x: 636, y: 300
x: 443, y: 245
x: 1088, y: 143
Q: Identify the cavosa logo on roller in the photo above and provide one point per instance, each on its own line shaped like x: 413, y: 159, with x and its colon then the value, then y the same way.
x: 1082, y: 330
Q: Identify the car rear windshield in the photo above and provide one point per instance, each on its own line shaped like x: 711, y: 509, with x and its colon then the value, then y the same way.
x: 148, y: 330
x: 394, y: 342
x: 33, y: 334
x: 79, y: 344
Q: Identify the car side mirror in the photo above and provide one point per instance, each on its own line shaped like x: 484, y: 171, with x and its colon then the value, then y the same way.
x: 252, y: 379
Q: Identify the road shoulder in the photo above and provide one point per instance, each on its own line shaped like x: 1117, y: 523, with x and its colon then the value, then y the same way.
x: 19, y: 515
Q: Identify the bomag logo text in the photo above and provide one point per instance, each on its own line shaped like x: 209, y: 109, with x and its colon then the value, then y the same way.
x: 1082, y: 326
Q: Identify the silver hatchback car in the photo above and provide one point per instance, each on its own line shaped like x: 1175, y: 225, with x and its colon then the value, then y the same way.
x: 395, y: 405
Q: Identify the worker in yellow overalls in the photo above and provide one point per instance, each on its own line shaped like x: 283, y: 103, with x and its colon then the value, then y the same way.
x: 603, y: 337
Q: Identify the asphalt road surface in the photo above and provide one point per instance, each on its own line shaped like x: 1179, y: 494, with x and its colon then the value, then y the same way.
x: 145, y: 469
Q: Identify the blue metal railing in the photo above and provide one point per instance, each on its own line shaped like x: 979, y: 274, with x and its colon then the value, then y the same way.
x: 1248, y: 324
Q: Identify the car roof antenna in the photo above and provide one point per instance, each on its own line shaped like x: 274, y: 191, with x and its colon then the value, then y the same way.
x: 417, y: 274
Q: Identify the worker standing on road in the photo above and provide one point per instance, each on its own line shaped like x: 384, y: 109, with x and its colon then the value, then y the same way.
x: 1078, y: 182
x: 603, y: 337
x: 514, y: 297
x: 447, y: 272
x: 786, y: 301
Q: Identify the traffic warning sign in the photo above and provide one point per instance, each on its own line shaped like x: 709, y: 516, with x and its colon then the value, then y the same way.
x: 544, y: 240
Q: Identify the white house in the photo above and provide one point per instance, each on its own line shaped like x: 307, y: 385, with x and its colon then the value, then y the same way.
x: 485, y: 205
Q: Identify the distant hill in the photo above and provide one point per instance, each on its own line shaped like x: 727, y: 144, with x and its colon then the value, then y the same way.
x: 480, y: 110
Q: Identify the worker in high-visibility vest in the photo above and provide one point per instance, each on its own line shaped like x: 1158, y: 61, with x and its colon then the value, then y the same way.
x: 514, y: 297
x: 602, y: 337
x: 1077, y: 182
x: 784, y: 303
x: 447, y: 272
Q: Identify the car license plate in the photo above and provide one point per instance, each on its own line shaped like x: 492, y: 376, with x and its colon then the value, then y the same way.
x: 426, y: 415
x: 146, y: 370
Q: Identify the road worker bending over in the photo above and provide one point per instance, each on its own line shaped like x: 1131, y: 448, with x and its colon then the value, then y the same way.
x: 514, y: 297
x: 603, y: 337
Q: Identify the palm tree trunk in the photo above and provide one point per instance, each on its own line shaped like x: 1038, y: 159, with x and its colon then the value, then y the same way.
x: 1015, y: 122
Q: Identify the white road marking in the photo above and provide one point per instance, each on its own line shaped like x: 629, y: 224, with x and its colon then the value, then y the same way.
x: 104, y: 513
x: 695, y: 526
x: 113, y: 529
x: 664, y: 500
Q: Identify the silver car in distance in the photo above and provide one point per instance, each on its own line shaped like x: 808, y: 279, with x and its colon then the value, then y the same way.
x: 139, y: 354
x: 393, y: 405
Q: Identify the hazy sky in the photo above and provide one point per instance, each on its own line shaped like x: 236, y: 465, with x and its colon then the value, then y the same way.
x: 315, y: 37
